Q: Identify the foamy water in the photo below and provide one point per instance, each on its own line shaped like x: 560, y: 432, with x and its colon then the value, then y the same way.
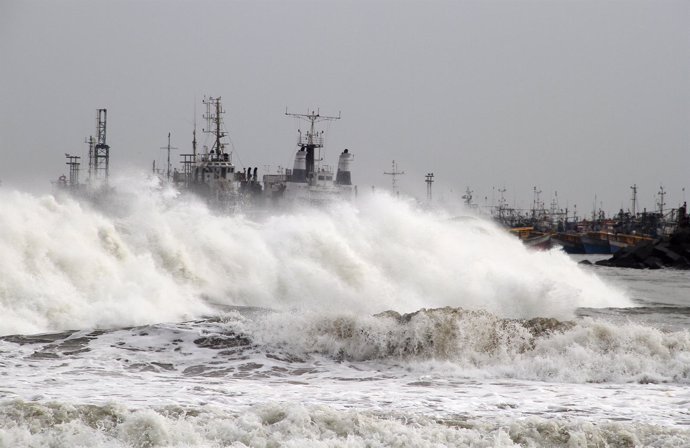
x: 149, y: 258
x: 155, y: 322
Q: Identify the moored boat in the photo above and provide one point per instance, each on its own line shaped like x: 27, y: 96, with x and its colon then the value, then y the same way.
x: 533, y: 239
x: 596, y: 243
x: 571, y: 242
x: 618, y: 241
x: 539, y: 242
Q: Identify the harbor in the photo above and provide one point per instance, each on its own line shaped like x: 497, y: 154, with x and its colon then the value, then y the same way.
x: 209, y: 173
x: 355, y: 224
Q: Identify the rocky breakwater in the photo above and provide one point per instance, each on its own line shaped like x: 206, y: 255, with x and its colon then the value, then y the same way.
x: 668, y: 252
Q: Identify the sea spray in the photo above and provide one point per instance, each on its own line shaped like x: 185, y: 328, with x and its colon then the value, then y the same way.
x: 149, y: 256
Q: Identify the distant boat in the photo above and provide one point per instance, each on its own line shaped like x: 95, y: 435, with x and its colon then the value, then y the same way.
x: 596, y: 243
x: 539, y: 242
x: 617, y: 241
x: 533, y: 239
x: 615, y: 245
x: 571, y: 242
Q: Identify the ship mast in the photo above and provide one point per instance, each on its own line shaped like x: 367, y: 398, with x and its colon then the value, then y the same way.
x: 394, y: 173
x: 313, y: 139
x: 661, y: 202
x: 214, y: 123
x: 169, y: 148
x: 429, y: 179
x: 634, y: 199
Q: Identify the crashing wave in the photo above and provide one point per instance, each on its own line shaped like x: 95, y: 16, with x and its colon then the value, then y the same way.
x: 272, y: 425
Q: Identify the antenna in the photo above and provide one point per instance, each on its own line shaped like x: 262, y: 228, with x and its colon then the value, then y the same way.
x: 634, y: 199
x: 194, y: 133
x: 168, y: 147
x: 214, y: 122
x: 73, y: 163
x: 394, y: 174
x: 312, y: 118
x: 502, y: 202
x: 101, y: 151
x: 91, y: 142
x: 429, y: 180
x: 468, y: 197
x: 536, y: 204
x: 661, y: 202
x: 313, y: 139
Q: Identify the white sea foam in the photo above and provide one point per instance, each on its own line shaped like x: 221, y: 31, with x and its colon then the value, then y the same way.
x: 150, y: 258
x: 291, y: 425
x: 478, y: 344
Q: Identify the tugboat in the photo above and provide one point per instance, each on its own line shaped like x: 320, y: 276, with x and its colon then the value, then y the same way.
x: 212, y: 175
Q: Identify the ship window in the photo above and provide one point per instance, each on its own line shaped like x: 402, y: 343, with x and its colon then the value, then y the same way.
x: 329, y: 177
x: 320, y: 177
x: 222, y: 172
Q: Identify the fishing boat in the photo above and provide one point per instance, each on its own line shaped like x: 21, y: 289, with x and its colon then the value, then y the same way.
x: 212, y: 174
x: 532, y: 238
x: 618, y: 241
x: 570, y: 242
x: 596, y: 243
x: 539, y: 242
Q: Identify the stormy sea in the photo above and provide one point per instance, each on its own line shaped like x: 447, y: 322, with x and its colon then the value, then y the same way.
x: 152, y: 321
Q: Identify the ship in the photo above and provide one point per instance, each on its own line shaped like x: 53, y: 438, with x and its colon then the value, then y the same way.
x: 596, y: 242
x: 213, y: 176
x: 570, y: 242
x: 532, y: 238
x: 310, y: 181
x: 210, y: 173
x: 618, y: 241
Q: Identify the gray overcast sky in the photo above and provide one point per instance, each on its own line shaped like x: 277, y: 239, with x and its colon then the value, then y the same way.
x: 579, y: 97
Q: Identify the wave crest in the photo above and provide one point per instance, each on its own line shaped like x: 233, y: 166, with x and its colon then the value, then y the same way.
x: 61, y: 425
x: 481, y: 344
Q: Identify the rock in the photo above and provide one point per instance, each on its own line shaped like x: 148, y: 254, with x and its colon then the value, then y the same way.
x: 222, y: 341
x: 673, y: 251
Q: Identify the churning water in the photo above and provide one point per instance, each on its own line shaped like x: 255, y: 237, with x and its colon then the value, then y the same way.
x: 156, y: 322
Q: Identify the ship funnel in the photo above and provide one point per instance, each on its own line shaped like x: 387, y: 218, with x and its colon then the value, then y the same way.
x: 342, y: 177
x: 299, y: 172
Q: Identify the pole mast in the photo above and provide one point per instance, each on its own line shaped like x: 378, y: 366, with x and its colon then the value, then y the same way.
x: 214, y: 123
x: 168, y: 147
x: 429, y: 180
x: 394, y: 174
x: 634, y: 199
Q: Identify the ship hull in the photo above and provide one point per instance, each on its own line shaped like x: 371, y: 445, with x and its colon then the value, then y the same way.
x: 539, y: 242
x: 571, y: 243
x: 616, y: 245
x: 593, y: 245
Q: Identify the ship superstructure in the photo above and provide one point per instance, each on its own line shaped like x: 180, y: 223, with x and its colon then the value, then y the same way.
x: 310, y: 180
x: 211, y: 174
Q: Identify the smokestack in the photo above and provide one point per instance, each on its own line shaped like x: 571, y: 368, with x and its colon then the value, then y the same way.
x: 299, y: 172
x: 343, y: 177
x: 310, y: 162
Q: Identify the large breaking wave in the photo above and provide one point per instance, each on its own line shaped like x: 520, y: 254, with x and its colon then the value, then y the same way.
x: 149, y: 257
x: 478, y: 344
